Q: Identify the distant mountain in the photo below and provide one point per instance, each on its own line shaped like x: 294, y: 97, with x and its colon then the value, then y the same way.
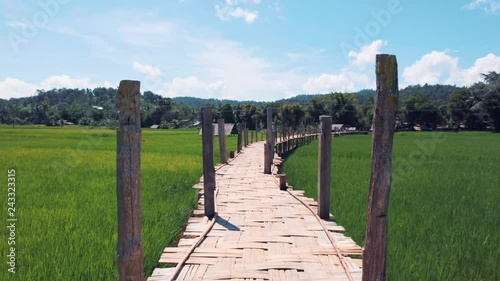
x: 301, y: 99
x: 199, y: 102
x: 438, y: 94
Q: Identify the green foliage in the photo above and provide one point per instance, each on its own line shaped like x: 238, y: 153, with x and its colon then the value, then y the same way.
x: 474, y: 108
x: 443, y: 212
x: 485, y: 98
x: 419, y: 110
x: 438, y: 94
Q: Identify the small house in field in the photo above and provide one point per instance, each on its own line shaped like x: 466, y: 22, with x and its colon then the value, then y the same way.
x: 155, y: 126
x: 227, y: 129
x: 338, y: 127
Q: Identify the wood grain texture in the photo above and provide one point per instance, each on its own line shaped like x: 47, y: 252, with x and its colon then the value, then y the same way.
x: 261, y: 232
x: 324, y: 166
x: 208, y: 162
x: 384, y: 120
x: 222, y: 141
x: 128, y: 182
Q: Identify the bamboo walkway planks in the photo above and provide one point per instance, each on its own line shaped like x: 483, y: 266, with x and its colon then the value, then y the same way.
x: 261, y: 233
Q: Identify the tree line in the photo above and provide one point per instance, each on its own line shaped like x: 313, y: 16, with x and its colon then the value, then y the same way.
x: 429, y: 107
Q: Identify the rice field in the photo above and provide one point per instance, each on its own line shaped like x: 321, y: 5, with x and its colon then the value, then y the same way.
x: 444, y: 212
x: 66, y: 226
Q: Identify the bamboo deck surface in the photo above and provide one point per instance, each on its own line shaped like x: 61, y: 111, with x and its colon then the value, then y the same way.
x: 260, y: 233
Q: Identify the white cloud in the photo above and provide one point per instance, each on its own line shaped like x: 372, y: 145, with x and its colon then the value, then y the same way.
x: 330, y: 82
x: 441, y: 68
x: 149, y: 70
x: 352, y: 77
x: 14, y: 88
x: 366, y: 56
x: 17, y: 24
x: 231, y: 70
x: 430, y: 68
x: 216, y: 87
x: 192, y: 86
x: 226, y: 13
x: 237, y: 9
x: 64, y: 81
x: 482, y: 65
x: 345, y: 81
x: 489, y: 6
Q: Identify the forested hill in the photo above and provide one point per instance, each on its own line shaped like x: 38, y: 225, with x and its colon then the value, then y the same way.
x: 199, y: 102
x: 437, y: 94
x: 428, y: 105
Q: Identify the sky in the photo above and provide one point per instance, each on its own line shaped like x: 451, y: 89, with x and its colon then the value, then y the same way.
x: 261, y: 50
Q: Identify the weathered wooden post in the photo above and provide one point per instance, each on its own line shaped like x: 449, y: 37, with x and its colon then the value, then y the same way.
x: 251, y: 137
x: 324, y: 166
x: 256, y: 131
x: 384, y: 119
x: 246, y: 135
x: 282, y: 179
x: 267, y: 167
x: 269, y: 154
x: 275, y: 127
x: 208, y: 161
x: 128, y: 182
x: 222, y: 140
x: 239, y: 137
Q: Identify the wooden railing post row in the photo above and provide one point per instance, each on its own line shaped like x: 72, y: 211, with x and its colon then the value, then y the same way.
x: 384, y: 120
x: 222, y: 140
x: 128, y: 182
x: 324, y: 166
x: 269, y: 147
x: 208, y: 161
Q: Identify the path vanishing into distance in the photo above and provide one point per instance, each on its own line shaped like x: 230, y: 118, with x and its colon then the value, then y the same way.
x: 259, y: 233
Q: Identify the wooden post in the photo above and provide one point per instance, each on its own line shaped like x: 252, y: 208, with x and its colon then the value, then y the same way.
x: 275, y: 139
x: 232, y: 154
x: 267, y: 167
x: 269, y: 142
x: 208, y: 161
x: 384, y: 119
x: 282, y: 178
x: 256, y: 131
x: 324, y: 166
x: 222, y: 140
x: 245, y: 135
x: 128, y: 182
x: 239, y: 138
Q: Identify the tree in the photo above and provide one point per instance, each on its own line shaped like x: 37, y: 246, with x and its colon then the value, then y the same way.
x: 226, y: 112
x: 460, y: 112
x: 292, y: 115
x: 485, y: 98
x: 420, y: 110
x: 314, y: 109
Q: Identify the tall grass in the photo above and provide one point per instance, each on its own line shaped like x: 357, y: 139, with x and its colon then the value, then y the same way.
x: 444, y: 212
x: 66, y: 198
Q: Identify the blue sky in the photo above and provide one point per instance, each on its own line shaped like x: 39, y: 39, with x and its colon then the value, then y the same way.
x: 243, y: 49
